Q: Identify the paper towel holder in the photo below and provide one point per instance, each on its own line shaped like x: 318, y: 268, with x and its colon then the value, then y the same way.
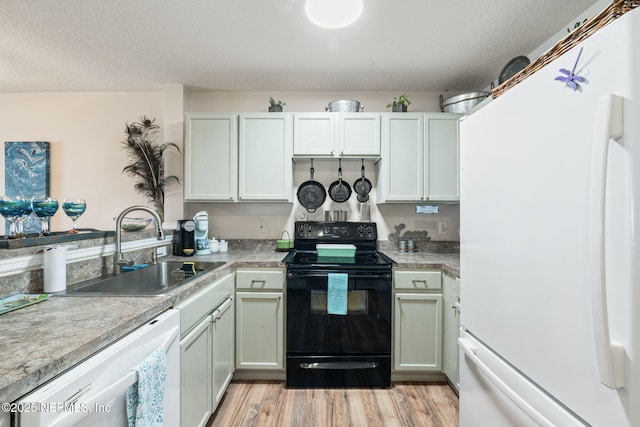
x: 55, y: 267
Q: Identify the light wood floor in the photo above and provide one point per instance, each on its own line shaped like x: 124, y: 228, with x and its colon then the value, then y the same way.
x: 269, y: 403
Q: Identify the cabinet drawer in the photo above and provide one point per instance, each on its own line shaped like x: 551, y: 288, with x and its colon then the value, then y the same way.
x: 416, y: 280
x: 200, y: 304
x: 260, y: 279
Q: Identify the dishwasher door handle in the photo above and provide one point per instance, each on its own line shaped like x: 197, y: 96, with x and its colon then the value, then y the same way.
x: 88, y: 406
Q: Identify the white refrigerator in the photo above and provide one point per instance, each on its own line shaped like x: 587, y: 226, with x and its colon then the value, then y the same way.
x: 550, y: 235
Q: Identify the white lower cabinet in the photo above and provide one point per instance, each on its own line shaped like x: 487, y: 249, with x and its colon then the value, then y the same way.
x: 223, y: 344
x: 450, y: 363
x: 206, y: 350
x: 195, y: 376
x: 260, y: 319
x: 417, y: 340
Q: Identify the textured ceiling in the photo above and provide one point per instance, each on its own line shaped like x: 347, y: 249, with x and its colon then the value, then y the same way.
x: 401, y: 45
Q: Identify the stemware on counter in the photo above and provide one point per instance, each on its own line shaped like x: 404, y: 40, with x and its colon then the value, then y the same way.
x: 15, y: 209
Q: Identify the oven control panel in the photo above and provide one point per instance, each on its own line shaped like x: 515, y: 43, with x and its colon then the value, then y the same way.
x: 336, y: 230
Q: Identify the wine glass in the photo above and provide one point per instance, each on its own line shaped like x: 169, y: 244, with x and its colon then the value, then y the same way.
x: 26, y: 210
x: 74, y: 208
x: 44, y: 208
x: 12, y: 208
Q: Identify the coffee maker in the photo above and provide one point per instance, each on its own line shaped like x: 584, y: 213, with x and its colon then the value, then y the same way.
x: 185, y: 238
x: 201, y: 233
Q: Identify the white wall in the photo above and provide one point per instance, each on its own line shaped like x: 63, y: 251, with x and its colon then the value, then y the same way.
x: 220, y: 101
x: 84, y: 130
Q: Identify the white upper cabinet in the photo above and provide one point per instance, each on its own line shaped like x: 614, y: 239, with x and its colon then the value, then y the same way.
x: 419, y: 160
x: 211, y: 156
x: 336, y: 135
x: 442, y: 182
x: 314, y: 134
x: 359, y: 134
x: 402, y: 165
x: 265, y: 151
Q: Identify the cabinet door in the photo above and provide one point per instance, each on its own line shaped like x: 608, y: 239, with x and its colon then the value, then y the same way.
x: 259, y: 330
x: 442, y: 181
x: 195, y: 375
x: 417, y: 343
x: 211, y: 157
x: 266, y: 170
x: 451, y: 327
x: 402, y: 163
x: 359, y: 134
x: 223, y: 343
x: 314, y: 134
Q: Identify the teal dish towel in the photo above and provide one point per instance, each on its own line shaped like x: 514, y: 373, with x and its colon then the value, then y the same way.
x: 338, y: 285
x: 145, y: 398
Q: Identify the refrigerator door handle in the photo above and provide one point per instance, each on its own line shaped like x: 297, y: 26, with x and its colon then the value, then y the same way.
x: 608, y: 125
x: 469, y: 350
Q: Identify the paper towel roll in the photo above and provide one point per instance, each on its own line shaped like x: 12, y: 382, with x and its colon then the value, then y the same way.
x: 55, y: 268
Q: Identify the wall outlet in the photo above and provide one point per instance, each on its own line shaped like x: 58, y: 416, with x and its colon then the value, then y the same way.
x: 442, y: 227
x: 262, y: 228
x: 161, y: 251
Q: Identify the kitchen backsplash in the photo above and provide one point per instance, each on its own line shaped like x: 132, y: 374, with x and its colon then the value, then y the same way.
x: 31, y: 281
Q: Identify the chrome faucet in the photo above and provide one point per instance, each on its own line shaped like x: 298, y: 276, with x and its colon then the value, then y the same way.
x: 118, y: 258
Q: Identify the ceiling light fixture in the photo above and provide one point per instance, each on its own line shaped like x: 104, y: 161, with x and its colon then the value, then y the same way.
x: 333, y: 14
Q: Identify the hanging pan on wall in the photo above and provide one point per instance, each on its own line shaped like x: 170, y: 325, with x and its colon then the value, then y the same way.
x: 311, y: 194
x: 362, y: 186
x: 339, y: 190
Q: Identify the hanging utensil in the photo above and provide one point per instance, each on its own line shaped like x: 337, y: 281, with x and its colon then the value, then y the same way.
x: 311, y: 194
x: 339, y: 190
x: 362, y: 186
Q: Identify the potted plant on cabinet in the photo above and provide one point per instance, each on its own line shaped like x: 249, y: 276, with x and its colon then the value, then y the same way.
x: 146, y: 161
x: 275, y: 106
x: 400, y: 103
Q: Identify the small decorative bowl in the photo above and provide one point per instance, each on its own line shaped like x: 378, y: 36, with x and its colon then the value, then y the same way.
x: 134, y: 224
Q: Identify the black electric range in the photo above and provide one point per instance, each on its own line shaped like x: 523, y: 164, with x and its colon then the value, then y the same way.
x: 332, y: 343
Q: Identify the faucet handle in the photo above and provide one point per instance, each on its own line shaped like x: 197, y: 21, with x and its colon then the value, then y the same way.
x: 125, y: 262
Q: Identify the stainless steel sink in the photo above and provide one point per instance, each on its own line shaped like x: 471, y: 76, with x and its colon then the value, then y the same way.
x: 156, y: 279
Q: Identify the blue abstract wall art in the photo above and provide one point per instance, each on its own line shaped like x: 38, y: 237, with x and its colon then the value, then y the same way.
x: 26, y: 173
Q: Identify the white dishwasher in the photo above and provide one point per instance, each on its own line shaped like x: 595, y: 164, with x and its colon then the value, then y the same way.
x: 93, y: 393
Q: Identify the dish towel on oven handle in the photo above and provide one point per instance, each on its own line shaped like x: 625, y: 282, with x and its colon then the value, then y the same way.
x: 337, y: 287
x: 145, y: 398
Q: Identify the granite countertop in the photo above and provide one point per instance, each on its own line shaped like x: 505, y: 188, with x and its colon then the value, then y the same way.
x: 45, y: 339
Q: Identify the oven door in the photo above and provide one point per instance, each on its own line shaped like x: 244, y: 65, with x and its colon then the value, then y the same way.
x: 338, y: 350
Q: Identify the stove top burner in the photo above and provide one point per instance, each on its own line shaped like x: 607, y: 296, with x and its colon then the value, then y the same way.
x: 362, y: 235
x: 362, y: 259
x: 310, y: 260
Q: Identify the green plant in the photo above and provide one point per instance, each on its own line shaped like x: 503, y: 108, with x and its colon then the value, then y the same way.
x: 401, y: 100
x: 576, y: 26
x: 146, y: 161
x: 274, y: 103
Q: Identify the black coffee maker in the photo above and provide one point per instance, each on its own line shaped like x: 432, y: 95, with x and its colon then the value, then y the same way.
x: 185, y: 244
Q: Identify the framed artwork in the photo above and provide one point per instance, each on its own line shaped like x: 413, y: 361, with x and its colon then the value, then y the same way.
x: 26, y: 173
